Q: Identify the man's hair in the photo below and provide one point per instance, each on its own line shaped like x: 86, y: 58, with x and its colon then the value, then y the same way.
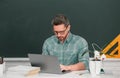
x: 60, y: 19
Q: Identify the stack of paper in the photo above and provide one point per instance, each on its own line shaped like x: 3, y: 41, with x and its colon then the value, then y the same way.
x: 25, y: 70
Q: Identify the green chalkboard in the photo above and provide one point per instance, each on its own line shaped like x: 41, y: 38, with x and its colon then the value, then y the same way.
x: 25, y: 24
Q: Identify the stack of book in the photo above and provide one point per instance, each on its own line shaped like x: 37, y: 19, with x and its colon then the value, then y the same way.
x: 24, y: 70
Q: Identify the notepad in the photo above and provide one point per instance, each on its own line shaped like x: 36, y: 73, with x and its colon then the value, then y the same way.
x: 25, y: 70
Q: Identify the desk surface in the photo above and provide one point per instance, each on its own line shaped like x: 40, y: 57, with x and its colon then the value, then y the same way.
x: 74, y: 74
x: 111, y: 67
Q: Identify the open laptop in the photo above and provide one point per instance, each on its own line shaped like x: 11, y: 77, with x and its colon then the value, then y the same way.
x: 47, y: 63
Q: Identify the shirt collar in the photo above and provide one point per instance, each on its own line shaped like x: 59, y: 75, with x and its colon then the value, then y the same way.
x: 69, y: 37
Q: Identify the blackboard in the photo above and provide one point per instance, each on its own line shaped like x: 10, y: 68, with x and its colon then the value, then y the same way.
x: 25, y: 24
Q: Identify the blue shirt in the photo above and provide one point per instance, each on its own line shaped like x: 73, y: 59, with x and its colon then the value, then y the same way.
x: 72, y: 51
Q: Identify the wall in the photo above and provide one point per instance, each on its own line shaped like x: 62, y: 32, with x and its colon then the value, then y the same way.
x: 25, y: 24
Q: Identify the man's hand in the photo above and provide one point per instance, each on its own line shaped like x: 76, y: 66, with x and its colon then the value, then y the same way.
x: 74, y: 67
x: 63, y: 67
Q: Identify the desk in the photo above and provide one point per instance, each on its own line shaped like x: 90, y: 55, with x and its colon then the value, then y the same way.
x: 75, y: 74
x: 111, y: 67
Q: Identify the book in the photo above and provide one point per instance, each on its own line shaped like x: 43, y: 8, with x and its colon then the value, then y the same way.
x: 25, y: 70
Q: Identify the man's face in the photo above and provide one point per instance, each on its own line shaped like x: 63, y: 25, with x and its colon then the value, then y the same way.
x: 61, y: 31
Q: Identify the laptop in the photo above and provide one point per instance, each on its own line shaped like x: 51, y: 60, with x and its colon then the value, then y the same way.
x: 47, y: 63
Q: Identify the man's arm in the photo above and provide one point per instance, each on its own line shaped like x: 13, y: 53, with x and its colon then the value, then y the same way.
x: 74, y: 67
x: 44, y: 49
x: 83, y: 57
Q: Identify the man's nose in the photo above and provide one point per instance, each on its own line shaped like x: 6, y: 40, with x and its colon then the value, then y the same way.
x: 58, y: 34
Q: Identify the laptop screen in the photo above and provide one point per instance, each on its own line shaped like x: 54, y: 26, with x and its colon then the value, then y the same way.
x: 48, y: 64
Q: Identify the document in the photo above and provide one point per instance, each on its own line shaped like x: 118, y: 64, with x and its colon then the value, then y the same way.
x: 24, y: 70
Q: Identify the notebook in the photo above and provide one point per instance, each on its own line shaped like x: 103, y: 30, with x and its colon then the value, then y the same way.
x: 47, y: 63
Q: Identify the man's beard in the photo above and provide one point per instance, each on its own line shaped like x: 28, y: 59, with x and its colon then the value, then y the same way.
x: 61, y: 38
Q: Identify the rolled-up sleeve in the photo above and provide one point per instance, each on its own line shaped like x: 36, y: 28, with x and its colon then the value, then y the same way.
x: 83, y: 55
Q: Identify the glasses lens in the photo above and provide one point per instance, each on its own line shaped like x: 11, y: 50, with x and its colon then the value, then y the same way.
x: 60, y: 32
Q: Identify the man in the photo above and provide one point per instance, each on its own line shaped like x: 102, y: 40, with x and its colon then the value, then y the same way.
x: 69, y: 48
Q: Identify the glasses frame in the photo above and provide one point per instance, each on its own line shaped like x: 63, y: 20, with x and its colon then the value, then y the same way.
x: 61, y: 32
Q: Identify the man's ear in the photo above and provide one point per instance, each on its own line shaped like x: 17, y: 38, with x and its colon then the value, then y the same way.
x: 68, y: 28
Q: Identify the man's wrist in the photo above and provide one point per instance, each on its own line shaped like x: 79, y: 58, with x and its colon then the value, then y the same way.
x: 70, y: 67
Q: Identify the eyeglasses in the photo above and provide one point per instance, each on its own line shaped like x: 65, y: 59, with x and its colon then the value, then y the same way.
x: 60, y: 32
